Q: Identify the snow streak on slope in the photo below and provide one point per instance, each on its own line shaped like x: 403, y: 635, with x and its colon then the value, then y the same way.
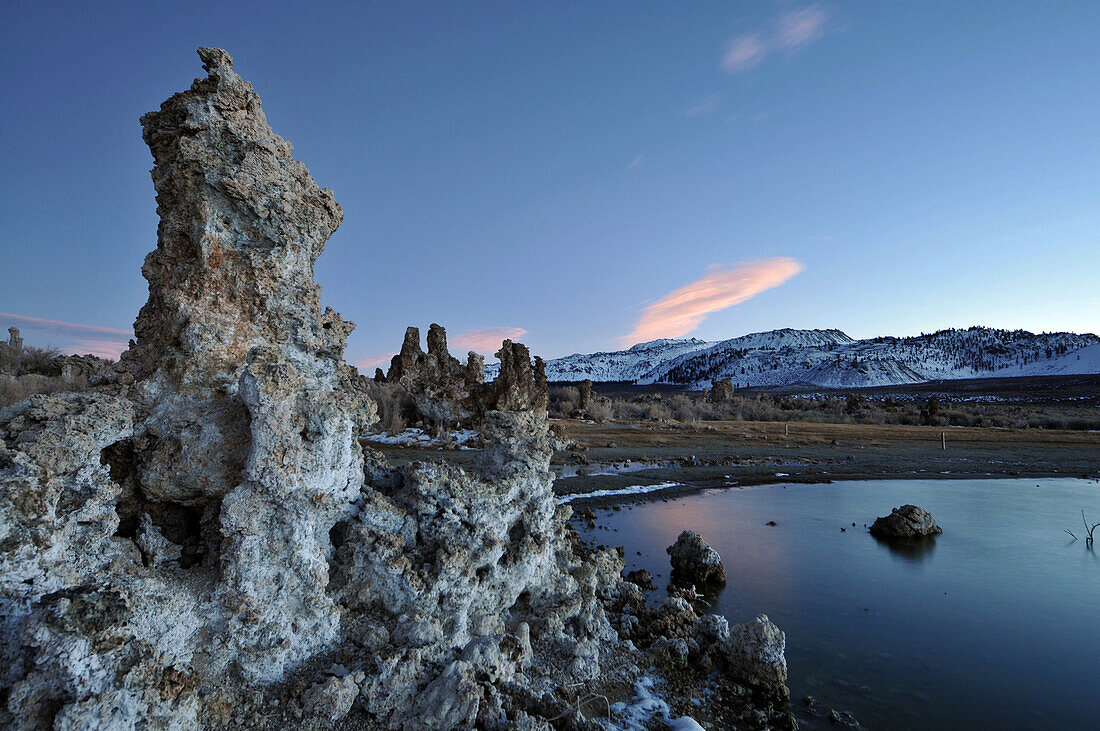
x: 831, y: 359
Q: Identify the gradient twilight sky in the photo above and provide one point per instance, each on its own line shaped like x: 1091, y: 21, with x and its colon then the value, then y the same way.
x: 588, y: 172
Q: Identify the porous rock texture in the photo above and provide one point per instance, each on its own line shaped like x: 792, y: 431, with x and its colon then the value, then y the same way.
x: 908, y: 521
x: 200, y: 541
x: 695, y: 561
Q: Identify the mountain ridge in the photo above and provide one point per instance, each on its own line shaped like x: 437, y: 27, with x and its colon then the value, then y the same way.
x: 831, y: 359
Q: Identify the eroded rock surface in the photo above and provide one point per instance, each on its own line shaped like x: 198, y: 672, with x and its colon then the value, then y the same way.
x: 200, y: 541
x: 908, y: 521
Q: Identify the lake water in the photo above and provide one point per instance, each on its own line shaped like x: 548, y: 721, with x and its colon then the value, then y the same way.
x: 994, y: 623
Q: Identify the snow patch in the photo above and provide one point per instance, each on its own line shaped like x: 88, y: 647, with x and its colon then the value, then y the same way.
x: 632, y: 490
x: 420, y: 438
x: 646, y: 704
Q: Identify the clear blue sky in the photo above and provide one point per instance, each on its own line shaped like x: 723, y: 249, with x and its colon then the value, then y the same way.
x: 558, y: 167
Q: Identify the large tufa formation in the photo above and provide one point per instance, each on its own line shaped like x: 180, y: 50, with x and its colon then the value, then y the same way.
x: 15, y: 340
x: 178, y: 534
x: 199, y: 541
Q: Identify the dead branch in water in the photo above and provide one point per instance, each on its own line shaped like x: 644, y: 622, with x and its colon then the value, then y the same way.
x: 1088, y: 530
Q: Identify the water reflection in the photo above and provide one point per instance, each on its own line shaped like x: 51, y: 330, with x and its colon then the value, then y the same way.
x: 1007, y: 613
x: 911, y: 550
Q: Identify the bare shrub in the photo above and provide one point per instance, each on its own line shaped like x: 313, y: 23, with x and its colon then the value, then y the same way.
x: 599, y: 410
x: 563, y: 401
x: 41, y: 361
x: 692, y: 407
x: 16, y: 388
x: 395, y: 406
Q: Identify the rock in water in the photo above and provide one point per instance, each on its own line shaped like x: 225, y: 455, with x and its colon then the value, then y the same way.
x: 908, y: 521
x: 694, y: 561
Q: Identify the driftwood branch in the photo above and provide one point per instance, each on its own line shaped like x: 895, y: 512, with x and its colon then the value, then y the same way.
x: 580, y: 703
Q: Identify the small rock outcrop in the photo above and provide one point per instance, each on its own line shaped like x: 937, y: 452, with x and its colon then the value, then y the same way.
x: 584, y: 391
x: 444, y: 391
x: 15, y: 341
x: 694, y: 561
x: 519, y: 385
x: 721, y: 391
x: 908, y: 521
x: 88, y: 368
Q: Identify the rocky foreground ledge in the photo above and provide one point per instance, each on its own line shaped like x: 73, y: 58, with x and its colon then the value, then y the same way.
x: 200, y: 541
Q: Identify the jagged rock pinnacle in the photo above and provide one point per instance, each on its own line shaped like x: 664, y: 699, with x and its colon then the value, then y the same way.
x: 213, y: 58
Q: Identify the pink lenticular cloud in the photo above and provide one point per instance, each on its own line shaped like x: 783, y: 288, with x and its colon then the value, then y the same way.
x: 680, y: 311
x: 70, y: 337
x: 485, y: 341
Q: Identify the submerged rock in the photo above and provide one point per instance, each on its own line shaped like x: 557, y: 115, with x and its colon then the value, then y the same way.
x: 908, y: 521
x: 643, y: 579
x: 694, y: 561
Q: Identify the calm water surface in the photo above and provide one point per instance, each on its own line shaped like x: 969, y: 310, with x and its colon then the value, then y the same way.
x: 994, y: 623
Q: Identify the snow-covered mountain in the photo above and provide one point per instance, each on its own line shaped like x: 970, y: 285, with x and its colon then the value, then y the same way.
x: 634, y: 364
x: 831, y: 359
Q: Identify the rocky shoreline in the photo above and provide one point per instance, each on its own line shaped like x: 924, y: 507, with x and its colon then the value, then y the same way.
x: 200, y: 540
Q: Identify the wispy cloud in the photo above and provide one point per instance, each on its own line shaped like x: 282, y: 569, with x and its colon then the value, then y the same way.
x: 487, y: 340
x: 744, y: 53
x: 636, y: 162
x: 799, y: 27
x: 70, y: 337
x: 680, y: 311
x: 706, y: 105
x: 374, y: 361
x: 789, y: 32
